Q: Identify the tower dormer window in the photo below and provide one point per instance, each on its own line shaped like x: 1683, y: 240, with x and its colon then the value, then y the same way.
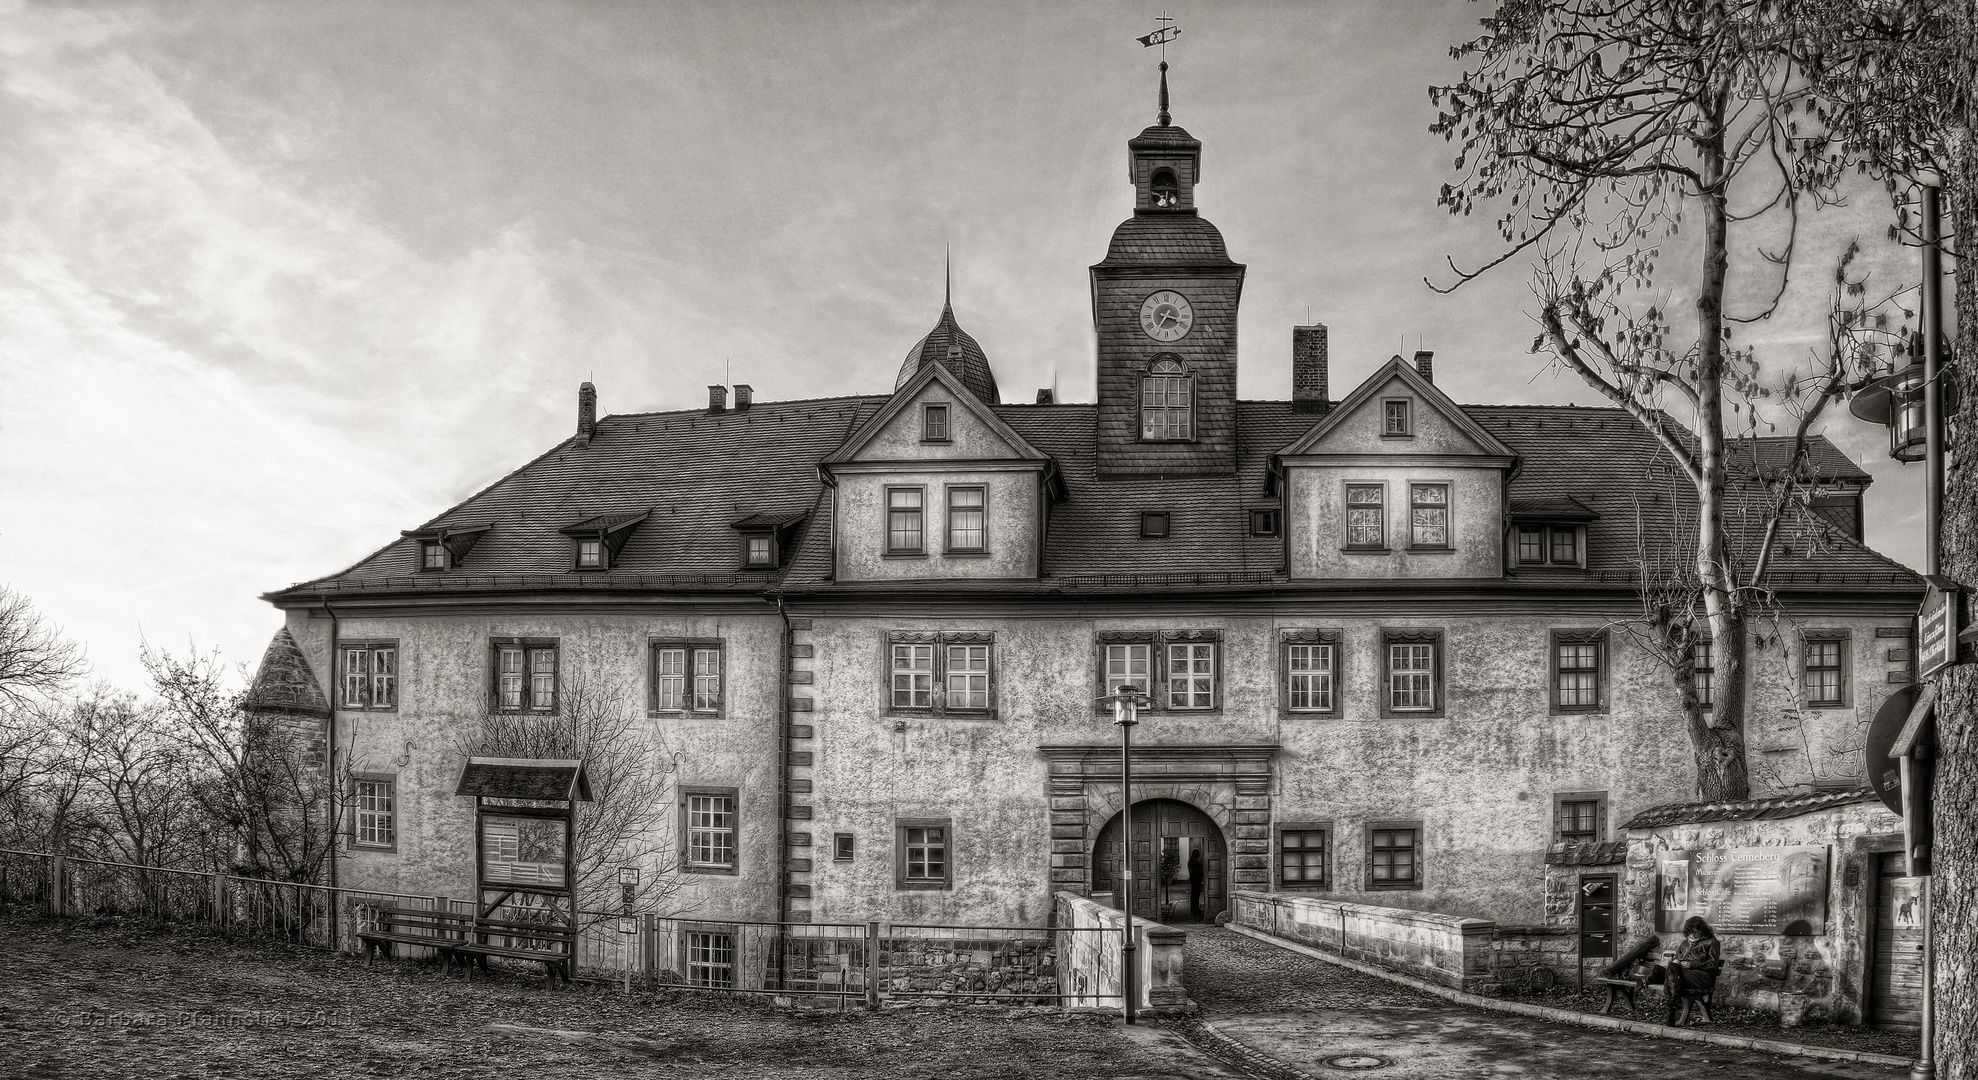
x: 1167, y: 402
x: 1165, y: 193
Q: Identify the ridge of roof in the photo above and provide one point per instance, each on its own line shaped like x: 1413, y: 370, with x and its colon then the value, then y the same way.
x: 1781, y: 806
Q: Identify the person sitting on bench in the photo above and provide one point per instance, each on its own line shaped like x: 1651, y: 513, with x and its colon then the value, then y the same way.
x: 1692, y: 973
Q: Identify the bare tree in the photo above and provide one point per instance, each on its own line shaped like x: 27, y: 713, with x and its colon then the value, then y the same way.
x: 35, y: 659
x: 1601, y: 126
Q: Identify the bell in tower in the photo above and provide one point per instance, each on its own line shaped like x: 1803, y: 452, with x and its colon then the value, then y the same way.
x: 1164, y: 307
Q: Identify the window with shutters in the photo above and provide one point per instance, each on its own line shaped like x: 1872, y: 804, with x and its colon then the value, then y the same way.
x: 905, y: 521
x: 1167, y: 410
x: 373, y: 811
x: 686, y: 676
x: 711, y: 824
x: 941, y: 673
x: 1411, y: 673
x: 968, y: 520
x: 370, y: 675
x: 1394, y: 854
x: 1824, y: 668
x: 1366, y: 522
x: 1579, y: 817
x: 1579, y: 670
x: 1304, y: 855
x: 525, y: 675
x: 1428, y: 517
x: 923, y: 849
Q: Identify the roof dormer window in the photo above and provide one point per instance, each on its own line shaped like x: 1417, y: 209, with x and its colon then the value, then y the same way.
x: 590, y: 554
x: 443, y: 547
x: 598, y: 540
x: 766, y: 538
x: 1164, y: 192
x: 1549, y: 545
x: 432, y: 555
x: 1154, y: 525
x: 759, y: 551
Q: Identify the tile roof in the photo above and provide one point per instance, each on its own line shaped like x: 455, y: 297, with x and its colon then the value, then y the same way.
x: 1164, y: 133
x: 1170, y: 239
x: 953, y: 347
x: 1602, y: 854
x: 699, y: 474
x: 285, y: 682
x: 1748, y: 810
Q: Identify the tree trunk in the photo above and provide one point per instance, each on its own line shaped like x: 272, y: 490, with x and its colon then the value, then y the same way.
x: 1955, y: 854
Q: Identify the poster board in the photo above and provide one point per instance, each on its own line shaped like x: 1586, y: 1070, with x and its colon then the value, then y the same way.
x: 1753, y: 890
x: 523, y: 851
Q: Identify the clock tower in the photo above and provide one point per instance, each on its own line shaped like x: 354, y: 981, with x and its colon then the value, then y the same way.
x: 1164, y: 308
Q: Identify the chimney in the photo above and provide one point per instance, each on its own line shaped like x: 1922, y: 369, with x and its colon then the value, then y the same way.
x: 1425, y: 366
x: 1046, y: 397
x: 717, y: 399
x: 743, y: 393
x: 587, y: 413
x: 1308, y: 369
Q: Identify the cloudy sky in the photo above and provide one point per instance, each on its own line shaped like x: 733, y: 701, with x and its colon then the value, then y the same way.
x: 278, y: 280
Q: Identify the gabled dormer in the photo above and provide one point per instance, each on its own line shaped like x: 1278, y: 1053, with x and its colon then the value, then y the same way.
x: 1396, y: 482
x: 937, y: 486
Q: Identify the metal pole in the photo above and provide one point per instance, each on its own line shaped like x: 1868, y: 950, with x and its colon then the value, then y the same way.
x: 1933, y: 514
x: 1124, y: 710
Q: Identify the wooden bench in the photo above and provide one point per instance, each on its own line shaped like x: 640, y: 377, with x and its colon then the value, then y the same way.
x: 552, y: 945
x: 394, y: 925
x: 1685, y: 998
x: 1628, y: 974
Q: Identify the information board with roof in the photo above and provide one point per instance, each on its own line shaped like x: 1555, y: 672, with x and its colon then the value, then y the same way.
x: 525, y: 812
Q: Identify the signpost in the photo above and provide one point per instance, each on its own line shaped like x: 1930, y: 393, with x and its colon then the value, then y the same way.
x: 1936, y: 628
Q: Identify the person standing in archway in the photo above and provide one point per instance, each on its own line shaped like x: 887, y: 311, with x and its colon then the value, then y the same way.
x: 1195, y: 883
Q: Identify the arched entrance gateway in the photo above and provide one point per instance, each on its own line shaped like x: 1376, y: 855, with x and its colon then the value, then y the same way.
x: 1166, y: 833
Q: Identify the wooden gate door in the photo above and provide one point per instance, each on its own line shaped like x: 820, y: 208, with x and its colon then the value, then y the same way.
x: 1158, y: 826
x: 1895, y: 995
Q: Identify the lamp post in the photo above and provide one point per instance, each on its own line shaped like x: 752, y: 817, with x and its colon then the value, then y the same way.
x: 1910, y: 401
x: 1126, y: 709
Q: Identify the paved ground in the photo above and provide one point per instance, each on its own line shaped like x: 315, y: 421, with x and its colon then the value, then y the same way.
x: 1325, y: 1020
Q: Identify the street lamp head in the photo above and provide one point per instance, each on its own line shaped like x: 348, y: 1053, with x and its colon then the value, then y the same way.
x: 1895, y: 401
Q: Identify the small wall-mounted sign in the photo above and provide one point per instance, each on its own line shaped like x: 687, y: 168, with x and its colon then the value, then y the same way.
x: 1936, y: 628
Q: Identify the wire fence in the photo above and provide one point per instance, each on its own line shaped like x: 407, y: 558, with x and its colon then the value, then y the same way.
x: 818, y: 964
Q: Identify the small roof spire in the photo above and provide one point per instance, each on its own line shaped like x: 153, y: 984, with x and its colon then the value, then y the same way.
x: 948, y: 290
x: 1165, y: 118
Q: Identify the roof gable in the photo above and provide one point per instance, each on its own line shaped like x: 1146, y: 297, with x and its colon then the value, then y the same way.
x: 1437, y: 424
x: 894, y: 432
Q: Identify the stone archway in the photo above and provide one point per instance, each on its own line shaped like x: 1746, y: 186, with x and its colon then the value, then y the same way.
x: 1179, y: 859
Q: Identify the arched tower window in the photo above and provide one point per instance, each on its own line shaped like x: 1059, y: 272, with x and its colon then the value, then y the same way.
x: 1167, y: 401
x: 1165, y: 192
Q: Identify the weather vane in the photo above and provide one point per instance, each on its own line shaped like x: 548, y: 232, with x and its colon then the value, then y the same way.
x: 1168, y: 32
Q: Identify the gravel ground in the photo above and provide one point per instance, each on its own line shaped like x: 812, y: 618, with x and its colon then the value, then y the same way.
x: 107, y: 998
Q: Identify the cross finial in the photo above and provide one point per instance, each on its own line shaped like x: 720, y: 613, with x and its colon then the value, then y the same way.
x: 1164, y: 94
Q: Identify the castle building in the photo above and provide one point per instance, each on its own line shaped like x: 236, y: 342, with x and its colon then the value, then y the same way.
x: 1390, y: 642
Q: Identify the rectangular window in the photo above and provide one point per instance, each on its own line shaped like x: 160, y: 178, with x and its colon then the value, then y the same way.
x: 1394, y: 858
x: 373, y: 824
x: 1579, y: 818
x: 669, y: 674
x: 1126, y: 665
x: 1703, y: 673
x: 1263, y: 523
x: 590, y: 554
x: 924, y: 847
x: 710, y: 959
x: 903, y: 521
x: 1565, y: 545
x: 432, y: 555
x: 1411, y: 676
x: 1154, y: 525
x: 1164, y: 407
x: 1303, y: 855
x: 711, y: 826
x: 1428, y: 515
x: 841, y: 847
x: 1309, y: 668
x: 934, y: 423
x: 968, y: 676
x: 707, y: 680
x: 967, y: 520
x: 1365, y: 517
x: 370, y: 676
x: 525, y: 677
x: 759, y: 550
x: 1531, y: 544
x: 1191, y: 675
x: 1825, y: 676
x: 1394, y: 417
x: 1577, y: 671
x: 913, y: 676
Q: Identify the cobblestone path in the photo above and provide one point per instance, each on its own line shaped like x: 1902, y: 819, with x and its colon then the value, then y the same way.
x: 1229, y: 973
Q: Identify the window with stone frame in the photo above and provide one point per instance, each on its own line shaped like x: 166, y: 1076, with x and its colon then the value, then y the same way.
x: 370, y: 675
x: 906, y: 521
x: 1174, y: 669
x: 1428, y: 517
x: 686, y: 676
x: 1126, y: 663
x: 924, y: 853
x: 525, y: 675
x: 1579, y: 670
x: 1311, y: 666
x: 710, y: 957
x: 1579, y: 817
x: 1191, y: 674
x: 1824, y: 668
x: 1366, y: 517
x: 710, y: 820
x: 944, y: 673
x: 842, y: 845
x: 1304, y: 854
x: 374, y: 811
x: 1394, y: 854
x: 1411, y: 673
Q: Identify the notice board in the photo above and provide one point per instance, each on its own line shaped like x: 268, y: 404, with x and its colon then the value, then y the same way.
x: 1755, y: 890
x: 525, y: 851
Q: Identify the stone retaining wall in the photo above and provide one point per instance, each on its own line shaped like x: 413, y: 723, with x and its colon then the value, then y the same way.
x: 1089, y: 956
x: 1445, y: 949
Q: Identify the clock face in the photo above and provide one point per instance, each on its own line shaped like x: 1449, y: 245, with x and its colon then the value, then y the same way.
x: 1166, y: 316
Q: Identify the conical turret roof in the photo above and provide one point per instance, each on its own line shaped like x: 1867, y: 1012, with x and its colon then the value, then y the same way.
x: 285, y: 681
x: 951, y: 345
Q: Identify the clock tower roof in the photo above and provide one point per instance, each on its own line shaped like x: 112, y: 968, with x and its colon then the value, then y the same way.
x: 953, y: 347
x: 1166, y: 240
